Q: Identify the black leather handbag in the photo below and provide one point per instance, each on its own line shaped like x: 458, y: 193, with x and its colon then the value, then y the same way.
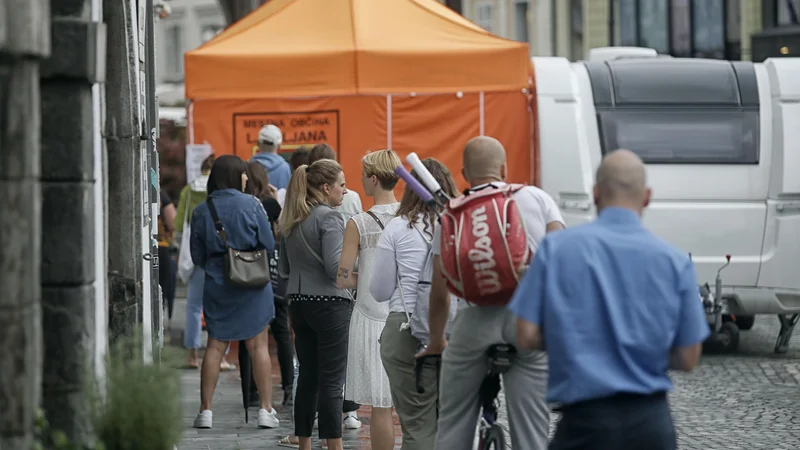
x: 244, y: 269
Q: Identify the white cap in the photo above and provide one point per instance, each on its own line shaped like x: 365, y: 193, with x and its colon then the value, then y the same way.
x: 271, y: 135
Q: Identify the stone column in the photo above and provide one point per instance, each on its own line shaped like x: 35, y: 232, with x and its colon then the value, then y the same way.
x: 24, y: 41
x: 123, y: 145
x: 69, y: 233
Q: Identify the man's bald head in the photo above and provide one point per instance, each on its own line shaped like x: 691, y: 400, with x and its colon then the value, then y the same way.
x: 484, y: 160
x: 622, y: 181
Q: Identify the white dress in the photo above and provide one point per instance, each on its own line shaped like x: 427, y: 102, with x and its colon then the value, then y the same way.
x: 367, y: 383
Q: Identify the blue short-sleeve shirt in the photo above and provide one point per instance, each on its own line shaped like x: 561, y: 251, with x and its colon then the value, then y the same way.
x: 612, y: 300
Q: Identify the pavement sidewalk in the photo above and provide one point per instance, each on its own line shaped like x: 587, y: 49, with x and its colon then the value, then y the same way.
x: 230, y: 432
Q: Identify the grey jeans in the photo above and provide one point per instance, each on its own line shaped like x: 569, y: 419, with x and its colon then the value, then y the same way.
x: 464, y: 365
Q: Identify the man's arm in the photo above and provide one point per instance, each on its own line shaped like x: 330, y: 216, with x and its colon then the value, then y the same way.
x: 692, y: 325
x: 554, y: 226
x: 529, y: 336
x: 685, y: 359
x: 528, y: 302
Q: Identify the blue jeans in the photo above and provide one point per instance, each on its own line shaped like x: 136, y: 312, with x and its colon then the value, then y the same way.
x: 194, y: 308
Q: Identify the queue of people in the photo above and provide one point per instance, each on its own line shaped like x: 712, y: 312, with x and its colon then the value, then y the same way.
x: 347, y: 282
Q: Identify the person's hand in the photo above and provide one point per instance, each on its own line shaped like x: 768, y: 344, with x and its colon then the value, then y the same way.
x: 435, y: 347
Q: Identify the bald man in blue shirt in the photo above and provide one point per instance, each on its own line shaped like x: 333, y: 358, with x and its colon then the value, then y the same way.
x: 615, y: 307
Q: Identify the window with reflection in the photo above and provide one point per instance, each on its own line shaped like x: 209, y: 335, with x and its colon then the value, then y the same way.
x: 733, y: 30
x: 576, y: 16
x: 787, y: 12
x: 708, y: 28
x: 628, y: 23
x: 681, y: 28
x: 686, y: 28
x: 653, y: 25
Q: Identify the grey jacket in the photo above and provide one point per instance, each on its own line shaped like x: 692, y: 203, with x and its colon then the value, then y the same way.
x: 324, y: 231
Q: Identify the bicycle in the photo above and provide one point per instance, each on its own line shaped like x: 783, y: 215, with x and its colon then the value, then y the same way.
x: 491, y: 434
x: 501, y: 356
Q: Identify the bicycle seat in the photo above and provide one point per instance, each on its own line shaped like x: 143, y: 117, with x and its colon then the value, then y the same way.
x: 501, y: 356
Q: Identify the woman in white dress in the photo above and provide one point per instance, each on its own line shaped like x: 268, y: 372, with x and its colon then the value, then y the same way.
x: 367, y: 383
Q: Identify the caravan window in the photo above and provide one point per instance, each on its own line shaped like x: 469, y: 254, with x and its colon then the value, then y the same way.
x: 683, y: 136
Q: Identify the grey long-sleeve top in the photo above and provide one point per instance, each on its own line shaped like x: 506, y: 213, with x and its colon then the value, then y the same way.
x: 324, y: 231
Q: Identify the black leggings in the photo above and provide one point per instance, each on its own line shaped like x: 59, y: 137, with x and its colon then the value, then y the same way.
x: 321, y: 331
x: 166, y: 278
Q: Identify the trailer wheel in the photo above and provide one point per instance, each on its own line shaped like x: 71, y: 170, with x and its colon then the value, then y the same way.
x: 727, y: 339
x: 745, y: 322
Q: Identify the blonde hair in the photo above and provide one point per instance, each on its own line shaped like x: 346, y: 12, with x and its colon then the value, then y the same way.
x: 305, y: 192
x: 381, y: 164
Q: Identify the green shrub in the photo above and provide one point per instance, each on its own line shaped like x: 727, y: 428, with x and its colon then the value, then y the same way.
x: 141, y: 408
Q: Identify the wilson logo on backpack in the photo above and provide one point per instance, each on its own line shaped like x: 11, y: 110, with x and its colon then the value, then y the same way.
x: 484, y: 245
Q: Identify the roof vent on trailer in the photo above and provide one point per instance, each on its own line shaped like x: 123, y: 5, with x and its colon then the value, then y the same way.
x: 615, y: 53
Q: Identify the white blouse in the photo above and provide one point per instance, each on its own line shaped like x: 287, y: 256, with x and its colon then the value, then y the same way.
x: 401, y: 252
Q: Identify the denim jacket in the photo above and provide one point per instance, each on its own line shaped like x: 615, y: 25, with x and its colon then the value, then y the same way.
x: 246, y: 228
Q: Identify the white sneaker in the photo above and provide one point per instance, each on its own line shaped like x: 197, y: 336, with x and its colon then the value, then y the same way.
x: 351, y: 421
x: 268, y: 419
x: 203, y: 419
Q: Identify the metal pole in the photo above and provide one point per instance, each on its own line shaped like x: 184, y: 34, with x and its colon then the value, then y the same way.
x: 153, y: 176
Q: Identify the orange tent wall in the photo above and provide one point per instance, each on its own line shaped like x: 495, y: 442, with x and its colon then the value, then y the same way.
x: 431, y: 125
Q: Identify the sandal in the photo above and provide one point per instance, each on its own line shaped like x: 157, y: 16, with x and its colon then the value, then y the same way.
x: 287, y: 442
x: 226, y: 366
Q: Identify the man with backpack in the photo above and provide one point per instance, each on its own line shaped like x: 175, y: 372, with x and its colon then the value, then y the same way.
x: 477, y: 328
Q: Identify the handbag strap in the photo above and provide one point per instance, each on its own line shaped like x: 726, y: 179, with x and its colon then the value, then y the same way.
x: 308, y: 246
x: 217, y: 223
x: 372, y: 214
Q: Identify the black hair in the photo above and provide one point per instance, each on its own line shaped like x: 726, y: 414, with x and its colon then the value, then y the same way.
x: 226, y: 173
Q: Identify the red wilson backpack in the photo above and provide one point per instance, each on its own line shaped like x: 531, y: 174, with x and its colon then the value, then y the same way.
x: 484, y: 245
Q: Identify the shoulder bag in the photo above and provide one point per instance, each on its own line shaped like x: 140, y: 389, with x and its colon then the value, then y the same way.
x: 243, y: 269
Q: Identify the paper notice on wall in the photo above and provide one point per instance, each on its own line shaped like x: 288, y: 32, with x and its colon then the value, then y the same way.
x: 195, y: 155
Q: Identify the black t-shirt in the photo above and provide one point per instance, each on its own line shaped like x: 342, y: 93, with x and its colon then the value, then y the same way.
x: 273, y: 209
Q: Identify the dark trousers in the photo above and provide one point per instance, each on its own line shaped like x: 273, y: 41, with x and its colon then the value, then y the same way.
x: 630, y: 422
x: 166, y: 278
x: 283, y: 337
x: 321, y: 333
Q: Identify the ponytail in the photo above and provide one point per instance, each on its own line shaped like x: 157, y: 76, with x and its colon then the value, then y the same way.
x: 305, y: 192
x: 295, y: 207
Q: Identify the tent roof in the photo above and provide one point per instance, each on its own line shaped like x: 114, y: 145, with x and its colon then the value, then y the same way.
x: 297, y: 48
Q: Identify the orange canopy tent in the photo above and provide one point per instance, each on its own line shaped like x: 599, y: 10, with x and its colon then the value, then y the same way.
x: 361, y: 75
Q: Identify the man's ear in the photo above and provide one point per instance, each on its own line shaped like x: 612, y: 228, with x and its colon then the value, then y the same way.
x: 647, y: 194
x: 504, y: 171
x: 596, y: 195
x: 464, y: 173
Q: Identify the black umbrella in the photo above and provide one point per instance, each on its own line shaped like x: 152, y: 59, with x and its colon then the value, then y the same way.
x: 246, y: 372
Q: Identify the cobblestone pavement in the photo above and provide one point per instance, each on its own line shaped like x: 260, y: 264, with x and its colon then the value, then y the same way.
x: 749, y: 400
